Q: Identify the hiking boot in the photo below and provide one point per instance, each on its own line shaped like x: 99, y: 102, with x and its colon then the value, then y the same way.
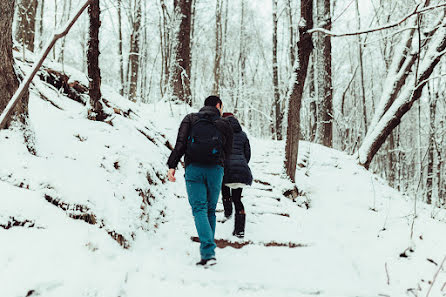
x: 207, y: 263
x: 239, y: 225
x: 227, y: 205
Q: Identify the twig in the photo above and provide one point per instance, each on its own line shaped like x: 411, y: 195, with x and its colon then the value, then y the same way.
x: 387, y: 26
x: 435, y: 276
x: 387, y: 273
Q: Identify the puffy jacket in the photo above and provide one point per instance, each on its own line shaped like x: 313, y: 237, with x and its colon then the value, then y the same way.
x: 236, y: 167
x: 183, y: 133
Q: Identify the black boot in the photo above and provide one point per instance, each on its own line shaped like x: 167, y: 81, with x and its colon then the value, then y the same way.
x: 239, y: 225
x: 227, y: 205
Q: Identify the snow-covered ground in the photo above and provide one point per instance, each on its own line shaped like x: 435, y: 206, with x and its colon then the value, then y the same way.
x: 93, y: 189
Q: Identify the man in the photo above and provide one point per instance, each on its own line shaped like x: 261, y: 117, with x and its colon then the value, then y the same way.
x: 205, y: 139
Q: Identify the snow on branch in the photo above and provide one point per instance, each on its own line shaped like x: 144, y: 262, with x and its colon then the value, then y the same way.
x: 414, y: 12
x: 27, y: 81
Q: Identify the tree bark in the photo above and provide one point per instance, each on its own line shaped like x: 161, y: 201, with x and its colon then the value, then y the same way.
x: 218, y: 47
x: 361, y: 68
x: 181, y: 69
x: 42, y: 9
x: 304, y: 48
x: 134, y: 56
x: 324, y: 133
x: 8, y: 79
x: 94, y: 72
x: 430, y: 162
x: 120, y: 52
x: 277, y: 105
x: 26, y: 26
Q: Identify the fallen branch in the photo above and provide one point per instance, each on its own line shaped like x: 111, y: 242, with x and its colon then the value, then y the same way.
x: 25, y: 83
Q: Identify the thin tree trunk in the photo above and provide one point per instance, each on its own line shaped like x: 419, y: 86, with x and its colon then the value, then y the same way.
x: 42, y: 9
x: 430, y: 162
x: 361, y: 68
x: 182, y: 66
x: 218, y: 47
x: 120, y: 52
x: 134, y: 56
x: 324, y: 133
x: 25, y: 34
x: 304, y: 48
x: 277, y: 104
x: 94, y: 72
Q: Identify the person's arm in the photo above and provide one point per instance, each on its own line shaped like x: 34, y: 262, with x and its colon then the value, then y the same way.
x: 181, y: 143
x: 247, y: 150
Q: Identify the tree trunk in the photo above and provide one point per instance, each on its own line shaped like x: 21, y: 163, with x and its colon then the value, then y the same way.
x: 182, y: 66
x: 8, y: 79
x: 94, y: 72
x: 26, y: 26
x: 304, y: 48
x: 430, y: 162
x: 134, y: 56
x: 324, y: 133
x: 218, y: 47
x: 277, y: 105
x: 42, y: 9
x: 238, y: 108
x: 361, y: 68
x: 120, y: 52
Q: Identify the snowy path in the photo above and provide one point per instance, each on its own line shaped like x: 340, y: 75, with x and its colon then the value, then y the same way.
x: 271, y: 218
x: 340, y: 256
x: 254, y: 268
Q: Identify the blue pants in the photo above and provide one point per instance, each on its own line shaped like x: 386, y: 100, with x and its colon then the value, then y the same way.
x: 203, y: 184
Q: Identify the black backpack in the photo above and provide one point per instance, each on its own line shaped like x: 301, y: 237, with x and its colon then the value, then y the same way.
x: 205, y: 141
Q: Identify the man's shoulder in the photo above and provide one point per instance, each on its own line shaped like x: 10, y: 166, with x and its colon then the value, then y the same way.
x: 189, y: 117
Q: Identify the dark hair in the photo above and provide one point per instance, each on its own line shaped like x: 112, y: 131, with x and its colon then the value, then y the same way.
x: 212, y: 101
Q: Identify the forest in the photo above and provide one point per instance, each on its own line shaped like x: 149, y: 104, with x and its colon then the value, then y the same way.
x: 366, y: 78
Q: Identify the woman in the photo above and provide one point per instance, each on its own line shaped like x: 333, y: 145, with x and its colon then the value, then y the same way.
x: 237, y: 176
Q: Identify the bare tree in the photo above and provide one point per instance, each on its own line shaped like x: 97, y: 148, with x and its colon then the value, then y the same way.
x: 277, y: 103
x: 304, y: 49
x: 94, y: 72
x: 26, y: 25
x: 324, y: 133
x: 399, y: 95
x: 361, y: 67
x: 218, y: 46
x: 134, y: 55
x: 430, y: 166
x: 181, y: 73
x: 120, y: 51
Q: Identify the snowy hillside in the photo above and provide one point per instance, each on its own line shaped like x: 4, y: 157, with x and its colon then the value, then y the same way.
x: 91, y: 214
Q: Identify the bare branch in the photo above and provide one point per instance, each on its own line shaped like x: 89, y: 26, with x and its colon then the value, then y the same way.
x: 385, y: 27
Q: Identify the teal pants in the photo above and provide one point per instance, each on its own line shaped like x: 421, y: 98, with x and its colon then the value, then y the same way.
x: 203, y: 184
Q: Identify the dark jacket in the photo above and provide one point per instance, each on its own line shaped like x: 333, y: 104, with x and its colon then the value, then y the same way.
x: 236, y: 167
x: 183, y: 133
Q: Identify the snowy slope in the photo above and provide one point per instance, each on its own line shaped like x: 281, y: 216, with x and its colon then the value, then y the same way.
x: 91, y: 215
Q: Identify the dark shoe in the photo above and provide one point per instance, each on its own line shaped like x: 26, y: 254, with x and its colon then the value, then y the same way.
x: 227, y: 205
x: 239, y: 225
x: 207, y: 263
